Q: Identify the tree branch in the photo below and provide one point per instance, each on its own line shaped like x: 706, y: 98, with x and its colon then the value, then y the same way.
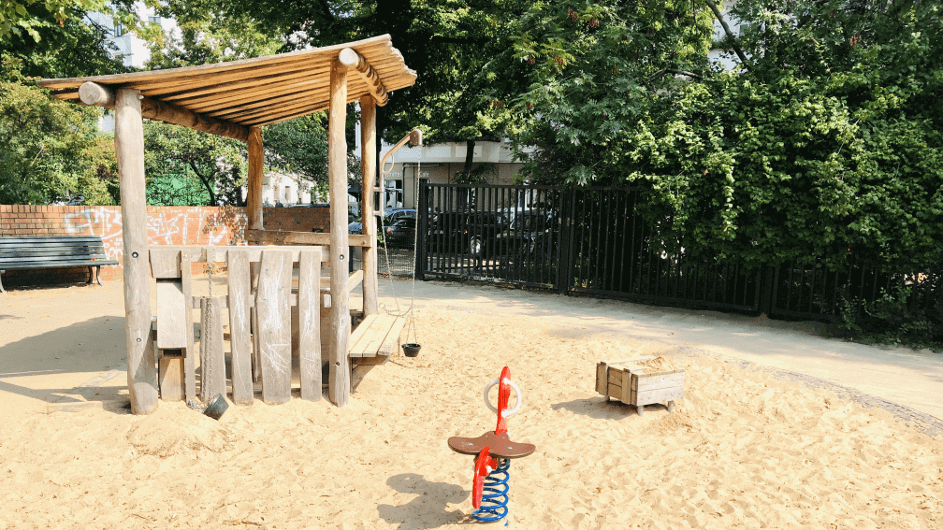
x: 730, y: 35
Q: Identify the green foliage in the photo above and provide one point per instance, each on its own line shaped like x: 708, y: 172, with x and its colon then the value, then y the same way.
x: 76, y: 47
x: 19, y: 18
x: 896, y: 317
x: 299, y: 147
x: 829, y: 143
x: 580, y: 75
x: 48, y: 149
x: 180, y: 161
x: 206, y: 35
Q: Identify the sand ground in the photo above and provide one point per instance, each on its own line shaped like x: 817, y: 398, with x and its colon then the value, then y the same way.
x: 745, y: 448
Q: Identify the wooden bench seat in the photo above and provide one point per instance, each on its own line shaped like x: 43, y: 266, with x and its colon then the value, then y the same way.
x: 23, y: 253
x: 377, y: 337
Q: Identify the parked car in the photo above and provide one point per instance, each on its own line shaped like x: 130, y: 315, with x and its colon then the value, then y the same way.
x: 396, y: 214
x: 392, y: 216
x: 355, y: 227
x: 402, y: 233
x: 470, y: 233
x: 532, y: 231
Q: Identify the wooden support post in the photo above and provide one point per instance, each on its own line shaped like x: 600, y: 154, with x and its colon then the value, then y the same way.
x: 212, y: 357
x: 368, y: 166
x: 339, y: 374
x: 254, y: 183
x: 189, y: 356
x: 309, y: 324
x: 129, y: 148
x: 255, y: 222
x: 239, y: 304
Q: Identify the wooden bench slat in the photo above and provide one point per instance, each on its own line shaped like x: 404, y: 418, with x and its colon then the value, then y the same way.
x: 40, y: 259
x: 54, y: 265
x: 358, y: 335
x: 374, y: 340
x: 49, y: 251
x: 48, y: 240
x: 42, y: 250
x: 391, y: 342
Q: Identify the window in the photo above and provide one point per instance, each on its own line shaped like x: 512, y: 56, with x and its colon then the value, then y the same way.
x: 155, y: 19
x: 120, y: 30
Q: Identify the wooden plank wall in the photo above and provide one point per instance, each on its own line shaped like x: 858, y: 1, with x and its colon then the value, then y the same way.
x: 271, y: 301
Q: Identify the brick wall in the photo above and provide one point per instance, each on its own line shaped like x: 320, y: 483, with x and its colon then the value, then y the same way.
x: 166, y: 225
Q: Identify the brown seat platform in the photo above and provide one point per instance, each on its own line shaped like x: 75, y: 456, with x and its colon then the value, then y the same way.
x: 500, y: 444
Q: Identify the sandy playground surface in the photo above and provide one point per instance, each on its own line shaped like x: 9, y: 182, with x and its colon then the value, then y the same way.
x: 744, y: 449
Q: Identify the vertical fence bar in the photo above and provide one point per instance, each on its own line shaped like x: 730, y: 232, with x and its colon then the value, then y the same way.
x: 634, y: 196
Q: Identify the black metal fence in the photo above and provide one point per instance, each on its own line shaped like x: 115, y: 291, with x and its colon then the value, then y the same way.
x: 594, y: 241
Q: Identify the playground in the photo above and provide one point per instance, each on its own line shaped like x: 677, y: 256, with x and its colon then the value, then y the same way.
x: 810, y: 433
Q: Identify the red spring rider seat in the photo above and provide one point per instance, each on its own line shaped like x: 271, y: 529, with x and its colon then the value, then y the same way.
x: 493, y: 452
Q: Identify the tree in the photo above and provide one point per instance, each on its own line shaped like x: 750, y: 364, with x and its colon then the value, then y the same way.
x: 299, y: 147
x: 827, y: 142
x: 447, y: 44
x: 207, y: 35
x: 47, y: 147
x: 20, y: 17
x: 179, y: 161
x: 578, y: 76
x: 76, y: 47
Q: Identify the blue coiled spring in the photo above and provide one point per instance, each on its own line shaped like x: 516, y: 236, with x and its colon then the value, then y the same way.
x: 494, y: 498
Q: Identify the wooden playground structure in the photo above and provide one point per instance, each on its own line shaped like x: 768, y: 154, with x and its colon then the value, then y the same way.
x: 275, y: 316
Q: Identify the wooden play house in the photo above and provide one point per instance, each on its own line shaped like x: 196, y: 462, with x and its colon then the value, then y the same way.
x: 235, y: 100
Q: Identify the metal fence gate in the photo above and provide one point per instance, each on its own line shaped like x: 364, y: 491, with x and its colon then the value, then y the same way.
x: 595, y: 241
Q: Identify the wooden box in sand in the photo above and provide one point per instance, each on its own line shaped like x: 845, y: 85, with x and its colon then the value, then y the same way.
x: 639, y: 382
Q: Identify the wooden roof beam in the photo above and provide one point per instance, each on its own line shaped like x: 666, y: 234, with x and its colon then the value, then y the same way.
x: 353, y: 60
x: 95, y: 94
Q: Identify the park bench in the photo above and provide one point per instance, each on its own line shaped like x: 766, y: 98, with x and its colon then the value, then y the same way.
x: 22, y: 253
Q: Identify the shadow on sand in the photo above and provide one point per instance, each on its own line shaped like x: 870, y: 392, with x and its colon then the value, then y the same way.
x: 598, y: 408
x: 430, y: 507
x: 59, y: 352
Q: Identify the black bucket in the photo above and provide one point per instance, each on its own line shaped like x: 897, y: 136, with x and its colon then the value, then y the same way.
x: 217, y: 407
x: 411, y: 349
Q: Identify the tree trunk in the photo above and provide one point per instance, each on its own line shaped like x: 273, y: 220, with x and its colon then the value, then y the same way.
x: 469, y: 158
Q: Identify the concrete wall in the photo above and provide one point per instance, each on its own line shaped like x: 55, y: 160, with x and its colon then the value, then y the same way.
x: 165, y: 226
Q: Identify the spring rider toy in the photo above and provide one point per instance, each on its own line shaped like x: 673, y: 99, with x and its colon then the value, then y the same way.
x: 493, y: 452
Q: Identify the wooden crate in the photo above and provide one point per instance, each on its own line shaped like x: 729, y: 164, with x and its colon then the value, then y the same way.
x: 633, y: 384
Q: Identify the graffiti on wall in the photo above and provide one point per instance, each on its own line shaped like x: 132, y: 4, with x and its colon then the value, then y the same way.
x: 188, y: 226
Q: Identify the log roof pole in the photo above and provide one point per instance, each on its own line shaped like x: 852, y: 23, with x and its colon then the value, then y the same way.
x: 92, y: 93
x: 339, y: 368
x: 368, y: 167
x: 129, y: 148
x: 356, y: 62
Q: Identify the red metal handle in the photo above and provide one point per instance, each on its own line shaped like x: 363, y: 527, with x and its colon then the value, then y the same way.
x: 484, y: 465
x: 504, y: 395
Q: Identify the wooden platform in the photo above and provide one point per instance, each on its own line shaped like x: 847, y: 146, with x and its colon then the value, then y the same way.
x: 633, y: 384
x: 377, y: 337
